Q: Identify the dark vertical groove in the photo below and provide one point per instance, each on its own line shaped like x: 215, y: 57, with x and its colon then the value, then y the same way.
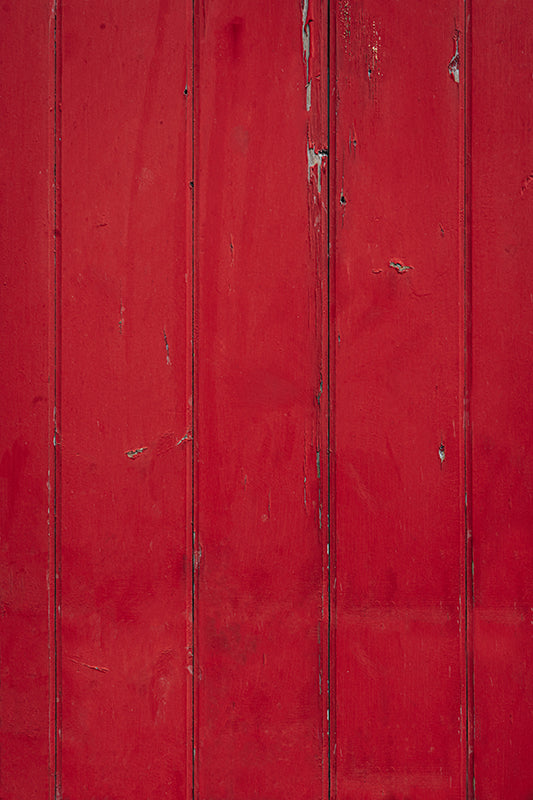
x: 56, y: 427
x: 331, y: 135
x: 194, y: 609
x: 328, y: 432
x: 467, y: 387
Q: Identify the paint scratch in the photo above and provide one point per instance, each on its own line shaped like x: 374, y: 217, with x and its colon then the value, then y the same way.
x: 89, y: 666
x: 169, y: 362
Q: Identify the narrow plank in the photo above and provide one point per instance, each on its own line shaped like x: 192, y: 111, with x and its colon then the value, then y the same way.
x: 400, y: 655
x: 125, y: 409
x: 260, y: 193
x: 26, y: 401
x: 502, y: 355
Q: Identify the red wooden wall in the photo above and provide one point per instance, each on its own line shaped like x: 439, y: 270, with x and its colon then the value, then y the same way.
x: 265, y: 466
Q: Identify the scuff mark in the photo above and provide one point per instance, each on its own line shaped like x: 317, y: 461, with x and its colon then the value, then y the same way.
x: 375, y: 40
x: 319, y: 492
x: 53, y: 15
x: 186, y: 438
x: 197, y: 558
x: 135, y: 453
x: 347, y: 22
x: 306, y: 48
x: 399, y: 266
x: 89, y: 666
x: 526, y: 183
x: 169, y: 362
x: 453, y: 66
x: 314, y: 159
x: 442, y: 453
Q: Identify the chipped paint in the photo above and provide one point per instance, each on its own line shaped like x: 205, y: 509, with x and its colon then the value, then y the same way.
x: 135, y: 453
x: 314, y: 159
x: 399, y: 266
x: 306, y: 49
x: 453, y: 66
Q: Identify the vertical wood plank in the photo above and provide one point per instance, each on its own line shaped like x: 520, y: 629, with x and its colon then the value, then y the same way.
x: 125, y: 410
x: 399, y: 394
x: 26, y: 400
x: 261, y: 192
x: 502, y: 323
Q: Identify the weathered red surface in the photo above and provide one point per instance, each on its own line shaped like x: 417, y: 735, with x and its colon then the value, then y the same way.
x: 502, y: 357
x: 26, y: 403
x: 125, y: 413
x: 260, y: 513
x: 266, y: 364
x: 399, y: 404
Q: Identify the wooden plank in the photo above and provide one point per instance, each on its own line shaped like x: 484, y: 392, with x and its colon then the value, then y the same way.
x: 502, y: 479
x: 400, y: 660
x: 260, y: 194
x: 26, y: 402
x: 124, y: 408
